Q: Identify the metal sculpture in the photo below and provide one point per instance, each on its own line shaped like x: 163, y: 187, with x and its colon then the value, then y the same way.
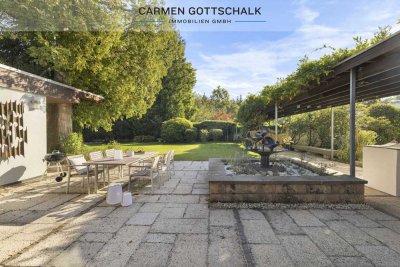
x: 13, y: 136
x: 259, y: 142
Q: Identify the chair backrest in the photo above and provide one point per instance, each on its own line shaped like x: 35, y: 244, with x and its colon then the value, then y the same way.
x: 110, y: 153
x: 154, y: 165
x: 77, y: 163
x: 96, y: 155
x: 167, y: 158
x: 172, y: 155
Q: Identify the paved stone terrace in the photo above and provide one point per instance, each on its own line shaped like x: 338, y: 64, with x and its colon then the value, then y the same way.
x: 174, y: 227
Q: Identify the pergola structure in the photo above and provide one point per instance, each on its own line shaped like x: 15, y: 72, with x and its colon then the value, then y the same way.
x: 370, y: 74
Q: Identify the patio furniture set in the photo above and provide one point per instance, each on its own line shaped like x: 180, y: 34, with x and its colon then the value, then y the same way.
x: 140, y: 166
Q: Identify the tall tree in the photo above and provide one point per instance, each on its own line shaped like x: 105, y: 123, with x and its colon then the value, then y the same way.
x: 121, y: 59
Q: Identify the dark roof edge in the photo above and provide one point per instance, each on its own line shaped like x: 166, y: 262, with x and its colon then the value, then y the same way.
x: 82, y: 93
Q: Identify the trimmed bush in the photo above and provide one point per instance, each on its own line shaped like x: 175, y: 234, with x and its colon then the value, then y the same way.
x: 204, y: 135
x: 72, y: 144
x: 216, y: 134
x: 173, y: 130
x: 191, y: 135
x: 229, y: 128
x: 144, y: 139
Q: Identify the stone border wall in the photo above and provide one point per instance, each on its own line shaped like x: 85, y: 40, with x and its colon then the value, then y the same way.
x: 284, y: 189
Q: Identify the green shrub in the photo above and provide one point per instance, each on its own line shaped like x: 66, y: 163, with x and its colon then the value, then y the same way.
x: 112, y: 144
x: 363, y: 138
x: 173, y: 130
x: 191, y: 135
x: 144, y: 139
x: 72, y: 144
x: 204, y: 134
x: 216, y: 134
x: 229, y: 128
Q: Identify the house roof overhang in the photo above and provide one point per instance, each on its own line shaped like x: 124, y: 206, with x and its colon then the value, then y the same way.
x: 55, y: 92
x: 378, y: 76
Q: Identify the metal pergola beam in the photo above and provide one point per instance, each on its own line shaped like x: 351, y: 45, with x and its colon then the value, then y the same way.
x: 353, y: 86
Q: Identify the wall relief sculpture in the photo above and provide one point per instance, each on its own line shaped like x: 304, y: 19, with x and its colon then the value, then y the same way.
x: 13, y: 135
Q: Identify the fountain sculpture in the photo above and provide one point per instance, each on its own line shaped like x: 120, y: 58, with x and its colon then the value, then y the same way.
x: 259, y: 142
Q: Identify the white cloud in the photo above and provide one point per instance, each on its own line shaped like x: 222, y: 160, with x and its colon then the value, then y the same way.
x: 253, y: 65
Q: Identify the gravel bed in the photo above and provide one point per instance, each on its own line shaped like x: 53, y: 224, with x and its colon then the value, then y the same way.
x: 300, y: 206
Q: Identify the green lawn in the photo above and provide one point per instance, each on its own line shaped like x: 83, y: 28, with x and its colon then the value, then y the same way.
x: 195, y: 152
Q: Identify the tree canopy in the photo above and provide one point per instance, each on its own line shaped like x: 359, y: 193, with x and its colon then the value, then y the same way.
x: 123, y: 63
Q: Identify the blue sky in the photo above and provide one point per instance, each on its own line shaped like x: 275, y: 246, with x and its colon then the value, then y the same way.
x: 244, y: 57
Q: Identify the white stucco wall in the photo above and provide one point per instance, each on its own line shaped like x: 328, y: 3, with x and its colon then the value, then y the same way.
x: 31, y: 165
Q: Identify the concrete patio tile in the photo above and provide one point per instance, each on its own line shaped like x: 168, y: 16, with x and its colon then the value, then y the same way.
x: 196, y: 211
x: 386, y: 236
x: 142, y: 218
x: 200, y: 191
x: 303, y: 252
x: 96, y: 237
x: 78, y: 254
x: 360, y: 221
x: 377, y: 215
x: 32, y: 216
x: 186, y: 199
x: 225, y: 248
x: 380, y: 255
x: 104, y: 225
x: 304, y: 218
x: 44, y: 251
x: 270, y: 255
x: 151, y: 255
x: 222, y: 217
x: 326, y: 215
x: 10, y: 248
x: 8, y: 230
x: 200, y: 186
x: 186, y: 226
x: 259, y: 232
x: 190, y: 250
x: 176, y: 205
x: 152, y: 207
x: 172, y: 183
x: 172, y: 213
x: 351, y: 261
x: 11, y: 216
x: 117, y: 251
x: 353, y: 235
x: 282, y: 223
x: 147, y: 198
x: 249, y: 214
x: 125, y: 212
x: 183, y: 189
x: 394, y: 225
x: 329, y: 242
x: 32, y: 232
x: 54, y: 202
x: 203, y: 199
x: 160, y: 238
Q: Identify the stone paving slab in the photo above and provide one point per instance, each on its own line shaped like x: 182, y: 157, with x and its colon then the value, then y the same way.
x: 304, y: 252
x: 352, y: 234
x: 351, y: 261
x: 151, y: 255
x: 259, y: 232
x: 222, y: 217
x: 304, y: 218
x: 380, y: 255
x: 282, y: 223
x: 197, y: 211
x: 57, y: 229
x: 180, y: 226
x: 270, y: 255
x: 142, y: 218
x: 225, y: 248
x: 329, y: 242
x: 190, y: 250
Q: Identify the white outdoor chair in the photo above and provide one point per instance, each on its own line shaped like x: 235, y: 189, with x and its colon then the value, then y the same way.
x: 77, y: 163
x: 144, y: 172
x: 98, y: 155
x: 110, y: 153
